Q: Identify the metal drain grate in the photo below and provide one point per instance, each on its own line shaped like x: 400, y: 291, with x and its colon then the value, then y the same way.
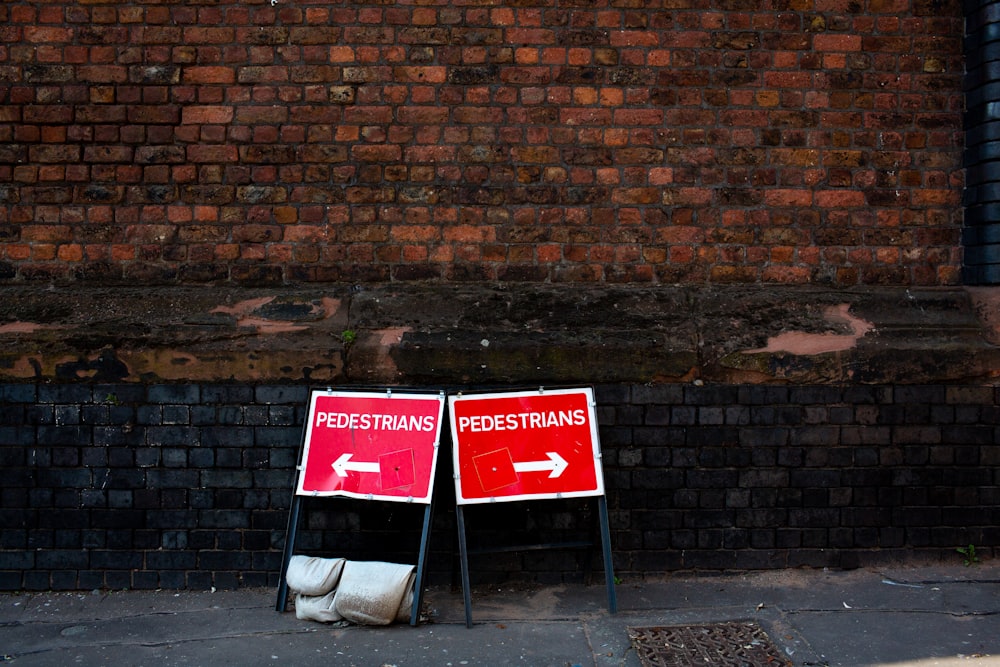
x: 730, y: 644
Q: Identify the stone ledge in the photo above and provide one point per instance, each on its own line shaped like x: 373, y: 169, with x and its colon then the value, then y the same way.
x: 512, y: 334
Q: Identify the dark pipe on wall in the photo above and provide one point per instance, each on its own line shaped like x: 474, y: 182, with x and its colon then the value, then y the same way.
x: 981, y: 235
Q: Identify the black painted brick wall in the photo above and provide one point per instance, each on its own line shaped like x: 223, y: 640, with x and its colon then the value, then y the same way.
x: 173, y: 486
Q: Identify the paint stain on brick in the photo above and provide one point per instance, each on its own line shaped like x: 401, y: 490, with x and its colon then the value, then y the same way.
x: 22, y: 327
x: 804, y: 344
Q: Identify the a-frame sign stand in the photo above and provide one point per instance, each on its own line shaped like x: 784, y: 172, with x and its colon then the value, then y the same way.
x: 539, y: 444
x: 370, y: 445
x: 609, y: 575
x: 290, y: 536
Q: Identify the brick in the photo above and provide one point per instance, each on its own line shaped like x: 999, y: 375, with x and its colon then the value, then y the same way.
x: 199, y: 115
x: 181, y: 394
x: 836, y: 42
x: 638, y: 116
x: 428, y: 75
x: 210, y: 153
x: 267, y: 154
x: 101, y: 74
x: 49, y: 113
x: 47, y: 73
x: 107, y: 154
x: 281, y: 395
x: 54, y: 154
x: 154, y: 74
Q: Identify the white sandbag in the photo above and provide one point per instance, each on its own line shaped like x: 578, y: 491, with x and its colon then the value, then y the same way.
x: 374, y: 593
x: 317, y: 608
x: 406, y: 604
x: 313, y: 576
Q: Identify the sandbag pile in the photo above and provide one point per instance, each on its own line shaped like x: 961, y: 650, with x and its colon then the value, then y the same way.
x: 336, y: 589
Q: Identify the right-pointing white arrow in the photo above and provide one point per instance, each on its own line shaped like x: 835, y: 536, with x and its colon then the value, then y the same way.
x: 555, y: 464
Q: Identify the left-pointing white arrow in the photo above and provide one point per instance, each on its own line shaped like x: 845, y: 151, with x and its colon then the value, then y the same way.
x: 343, y: 464
x: 555, y: 464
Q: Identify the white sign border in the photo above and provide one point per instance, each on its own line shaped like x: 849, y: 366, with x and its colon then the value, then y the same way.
x: 594, y: 438
x: 387, y: 394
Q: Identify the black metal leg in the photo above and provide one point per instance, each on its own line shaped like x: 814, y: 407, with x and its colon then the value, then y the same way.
x: 464, y: 557
x: 286, y: 556
x: 418, y: 593
x: 609, y: 570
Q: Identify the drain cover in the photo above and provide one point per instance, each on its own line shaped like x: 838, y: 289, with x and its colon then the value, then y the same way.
x: 731, y: 644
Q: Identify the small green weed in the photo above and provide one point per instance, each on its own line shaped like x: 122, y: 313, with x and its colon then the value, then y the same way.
x: 348, y: 336
x: 968, y: 555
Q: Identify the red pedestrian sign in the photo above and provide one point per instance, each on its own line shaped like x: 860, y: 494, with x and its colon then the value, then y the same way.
x: 371, y: 445
x: 524, y: 445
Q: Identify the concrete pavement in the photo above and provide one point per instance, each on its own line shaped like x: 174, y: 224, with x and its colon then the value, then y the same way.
x: 939, y: 615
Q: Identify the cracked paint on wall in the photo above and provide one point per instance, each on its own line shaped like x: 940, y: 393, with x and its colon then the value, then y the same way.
x: 243, y: 314
x: 247, y: 315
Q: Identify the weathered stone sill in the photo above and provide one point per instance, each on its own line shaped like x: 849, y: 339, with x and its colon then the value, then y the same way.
x: 509, y: 334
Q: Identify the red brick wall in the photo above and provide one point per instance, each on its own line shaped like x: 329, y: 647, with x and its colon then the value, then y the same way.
x: 789, y: 141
